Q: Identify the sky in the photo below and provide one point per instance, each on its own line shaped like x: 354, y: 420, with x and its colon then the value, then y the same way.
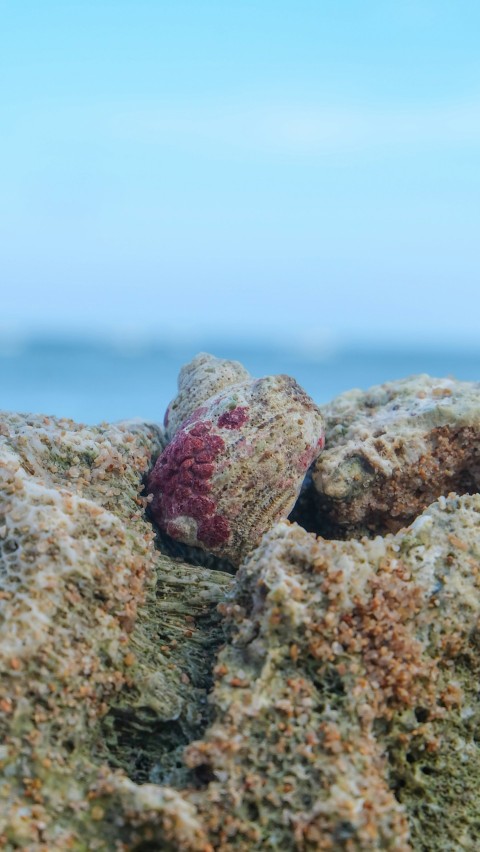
x: 299, y: 170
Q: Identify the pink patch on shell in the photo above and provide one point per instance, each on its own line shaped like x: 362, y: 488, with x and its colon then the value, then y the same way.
x: 195, y: 415
x: 180, y: 483
x: 234, y: 418
x: 213, y: 530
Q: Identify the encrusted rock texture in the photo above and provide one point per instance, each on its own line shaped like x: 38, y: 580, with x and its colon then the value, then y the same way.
x: 105, y: 646
x: 347, y: 708
x: 324, y: 698
x: 392, y: 450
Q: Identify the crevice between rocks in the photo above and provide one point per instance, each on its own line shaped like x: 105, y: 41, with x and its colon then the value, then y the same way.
x: 179, y: 629
x: 175, y: 641
x: 191, y: 555
x: 176, y: 636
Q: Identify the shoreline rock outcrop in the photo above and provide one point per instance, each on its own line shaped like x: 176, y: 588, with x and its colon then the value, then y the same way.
x: 347, y: 710
x: 323, y: 698
x: 106, y: 646
x: 392, y: 450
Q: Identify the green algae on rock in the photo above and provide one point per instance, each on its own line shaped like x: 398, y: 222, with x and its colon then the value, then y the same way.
x: 90, y: 650
x: 394, y: 449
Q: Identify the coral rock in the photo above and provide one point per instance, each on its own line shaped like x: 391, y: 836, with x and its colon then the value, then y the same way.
x: 106, y: 647
x: 346, y: 701
x: 393, y: 449
x: 344, y: 713
x: 236, y: 464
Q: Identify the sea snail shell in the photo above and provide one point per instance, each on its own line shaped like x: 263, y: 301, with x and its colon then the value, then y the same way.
x: 236, y: 462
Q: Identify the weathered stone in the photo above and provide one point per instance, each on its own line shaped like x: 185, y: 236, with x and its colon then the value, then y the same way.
x: 394, y: 449
x: 106, y: 646
x: 344, y: 713
x: 346, y: 703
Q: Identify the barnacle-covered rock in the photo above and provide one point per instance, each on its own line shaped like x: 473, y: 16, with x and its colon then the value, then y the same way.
x: 203, y: 377
x: 105, y: 645
x: 346, y: 702
x: 236, y: 464
x: 393, y: 449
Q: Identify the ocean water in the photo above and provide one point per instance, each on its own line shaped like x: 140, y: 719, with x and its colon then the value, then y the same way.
x: 92, y: 381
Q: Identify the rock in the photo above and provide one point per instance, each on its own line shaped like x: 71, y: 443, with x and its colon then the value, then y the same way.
x: 392, y: 450
x: 236, y: 464
x: 346, y: 702
x: 106, y: 646
x: 324, y: 698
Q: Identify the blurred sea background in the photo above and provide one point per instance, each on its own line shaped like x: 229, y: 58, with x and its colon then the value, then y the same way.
x: 294, y: 185
x: 93, y: 381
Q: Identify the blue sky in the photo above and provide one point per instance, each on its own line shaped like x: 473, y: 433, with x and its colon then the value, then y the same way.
x: 300, y: 170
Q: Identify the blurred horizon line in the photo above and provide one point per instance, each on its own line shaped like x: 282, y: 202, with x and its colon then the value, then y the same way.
x: 319, y: 347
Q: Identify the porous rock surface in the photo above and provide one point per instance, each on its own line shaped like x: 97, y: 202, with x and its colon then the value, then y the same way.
x: 344, y: 713
x: 105, y: 645
x: 347, y: 705
x: 392, y: 450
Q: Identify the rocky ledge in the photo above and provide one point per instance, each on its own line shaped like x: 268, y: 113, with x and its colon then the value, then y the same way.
x: 324, y: 697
